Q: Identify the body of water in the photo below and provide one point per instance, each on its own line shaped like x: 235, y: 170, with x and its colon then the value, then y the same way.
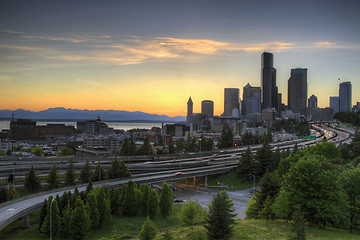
x: 116, y: 125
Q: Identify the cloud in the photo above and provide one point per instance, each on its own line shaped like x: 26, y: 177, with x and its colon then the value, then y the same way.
x: 93, y: 83
x: 325, y: 44
x: 18, y: 47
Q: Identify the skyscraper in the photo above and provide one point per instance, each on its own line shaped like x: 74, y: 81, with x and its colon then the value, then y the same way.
x: 207, y: 108
x: 313, y: 105
x: 335, y: 104
x: 268, y: 83
x: 189, y: 107
x: 251, y: 100
x: 231, y: 101
x: 345, y: 96
x: 297, y: 90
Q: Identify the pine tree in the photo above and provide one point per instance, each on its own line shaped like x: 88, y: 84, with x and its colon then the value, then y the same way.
x: 43, y: 213
x: 93, y: 209
x: 53, y: 177
x: 66, y: 230
x: 89, y: 187
x: 115, y: 202
x: 85, y: 174
x: 145, y: 190
x: 153, y: 203
x: 79, y: 220
x: 129, y: 200
x: 103, y: 204
x: 55, y: 219
x: 70, y: 175
x: 125, y: 148
x: 148, y: 230
x: 245, y: 165
x: 166, y: 200
x: 32, y: 181
x: 99, y: 173
x: 118, y: 169
x: 263, y: 157
x: 146, y: 148
x: 220, y: 219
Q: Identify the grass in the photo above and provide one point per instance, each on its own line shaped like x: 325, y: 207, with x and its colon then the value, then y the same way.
x: 231, y: 180
x: 129, y: 227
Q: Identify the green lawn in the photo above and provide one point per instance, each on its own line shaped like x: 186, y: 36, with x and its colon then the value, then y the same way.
x: 234, y: 183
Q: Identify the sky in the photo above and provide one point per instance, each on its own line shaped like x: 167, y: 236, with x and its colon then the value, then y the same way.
x: 151, y: 55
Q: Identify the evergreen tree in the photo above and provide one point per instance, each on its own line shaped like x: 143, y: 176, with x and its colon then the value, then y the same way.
x: 99, y: 173
x: 93, y: 209
x: 115, y: 201
x: 64, y: 201
x: 226, y: 139
x: 263, y: 157
x: 85, y: 174
x: 146, y: 148
x: 32, y: 181
x: 125, y: 148
x: 153, y: 203
x: 66, y: 229
x: 104, y: 206
x: 129, y: 200
x: 220, y: 219
x: 180, y: 145
x: 166, y: 200
x: 298, y: 225
x: 148, y: 230
x: 53, y: 178
x: 4, y: 195
x: 70, y: 175
x: 245, y: 166
x: 118, y: 169
x: 145, y: 190
x: 55, y: 219
x: 171, y: 146
x: 89, y: 187
x: 43, y: 213
x: 79, y: 220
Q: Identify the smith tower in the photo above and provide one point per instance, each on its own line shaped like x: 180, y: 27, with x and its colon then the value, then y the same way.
x: 269, y: 94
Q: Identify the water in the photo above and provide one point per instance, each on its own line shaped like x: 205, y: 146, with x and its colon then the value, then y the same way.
x: 116, y: 125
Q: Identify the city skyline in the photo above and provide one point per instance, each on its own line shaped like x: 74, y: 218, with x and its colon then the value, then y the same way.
x: 151, y: 56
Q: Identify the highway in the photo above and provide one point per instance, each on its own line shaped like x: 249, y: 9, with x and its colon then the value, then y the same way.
x: 164, y: 170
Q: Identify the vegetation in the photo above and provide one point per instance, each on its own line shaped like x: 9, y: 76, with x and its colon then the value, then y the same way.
x: 166, y: 200
x: 85, y: 174
x: 148, y: 230
x: 32, y: 181
x: 66, y: 152
x: 53, y: 177
x: 348, y: 117
x: 226, y: 139
x: 292, y: 126
x: 70, y: 175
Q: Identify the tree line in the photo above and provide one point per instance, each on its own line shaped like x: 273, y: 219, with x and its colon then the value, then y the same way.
x: 348, y: 117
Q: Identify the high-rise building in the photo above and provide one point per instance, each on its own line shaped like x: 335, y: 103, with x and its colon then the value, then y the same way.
x: 269, y: 95
x: 189, y: 107
x: 297, y: 91
x: 335, y: 104
x: 251, y: 100
x: 231, y: 101
x: 313, y: 108
x: 345, y: 96
x: 207, y: 108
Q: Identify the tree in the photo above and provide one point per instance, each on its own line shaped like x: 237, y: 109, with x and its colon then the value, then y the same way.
x: 32, y: 181
x: 148, y: 230
x: 349, y: 181
x: 55, y: 219
x: 220, y: 219
x: 153, y: 203
x: 166, y: 200
x: 246, y: 164
x: 93, y: 209
x: 66, y: 228
x: 66, y: 152
x: 104, y: 205
x: 298, y: 225
x: 263, y: 157
x: 8, y: 153
x: 146, y: 148
x: 80, y: 220
x: 118, y: 169
x: 171, y: 146
x: 99, y: 173
x: 53, y: 178
x: 38, y: 151
x: 129, y: 200
x: 85, y: 174
x: 189, y: 212
x: 43, y: 213
x: 226, y: 139
x: 70, y: 175
x: 312, y: 186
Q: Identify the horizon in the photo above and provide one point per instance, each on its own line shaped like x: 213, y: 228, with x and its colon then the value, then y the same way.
x: 151, y: 56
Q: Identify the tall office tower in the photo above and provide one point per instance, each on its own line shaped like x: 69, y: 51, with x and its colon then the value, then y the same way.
x: 268, y: 82
x: 297, y: 90
x: 335, y: 104
x: 345, y: 96
x: 279, y: 102
x: 207, y: 108
x: 251, y: 100
x: 231, y: 101
x: 313, y: 105
x: 189, y: 107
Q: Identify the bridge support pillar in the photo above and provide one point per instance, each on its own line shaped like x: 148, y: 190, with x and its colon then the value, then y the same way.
x: 25, y: 223
x: 205, y: 183
x: 194, y: 181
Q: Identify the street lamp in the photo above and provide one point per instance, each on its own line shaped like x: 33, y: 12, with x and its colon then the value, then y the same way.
x: 253, y: 188
x: 200, y: 145
x: 51, y: 217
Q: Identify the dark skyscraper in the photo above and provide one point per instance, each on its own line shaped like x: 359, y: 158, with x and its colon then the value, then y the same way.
x: 345, y: 96
x: 297, y: 90
x: 207, y: 108
x: 231, y: 101
x: 268, y: 82
x: 313, y: 107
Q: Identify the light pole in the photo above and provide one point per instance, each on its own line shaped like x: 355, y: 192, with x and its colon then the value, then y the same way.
x: 51, y: 217
x: 200, y: 145
x: 253, y: 188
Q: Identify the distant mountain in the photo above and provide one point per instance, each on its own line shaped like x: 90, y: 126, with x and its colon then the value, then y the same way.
x: 64, y: 114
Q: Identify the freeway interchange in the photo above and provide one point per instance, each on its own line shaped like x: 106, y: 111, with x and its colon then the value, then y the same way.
x: 148, y: 171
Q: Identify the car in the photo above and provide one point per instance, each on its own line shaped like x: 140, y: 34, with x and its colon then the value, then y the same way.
x: 179, y: 173
x: 178, y: 200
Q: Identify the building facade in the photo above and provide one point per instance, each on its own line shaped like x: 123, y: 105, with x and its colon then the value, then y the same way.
x: 207, y: 108
x: 297, y: 91
x: 345, y: 94
x: 313, y: 106
x: 251, y: 100
x: 231, y: 101
x: 335, y: 104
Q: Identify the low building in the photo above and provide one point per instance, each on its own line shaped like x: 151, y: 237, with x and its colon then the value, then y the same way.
x: 103, y: 143
x: 268, y: 117
x: 55, y: 130
x: 23, y: 129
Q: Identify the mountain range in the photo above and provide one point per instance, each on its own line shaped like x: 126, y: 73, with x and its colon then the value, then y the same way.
x: 67, y: 114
